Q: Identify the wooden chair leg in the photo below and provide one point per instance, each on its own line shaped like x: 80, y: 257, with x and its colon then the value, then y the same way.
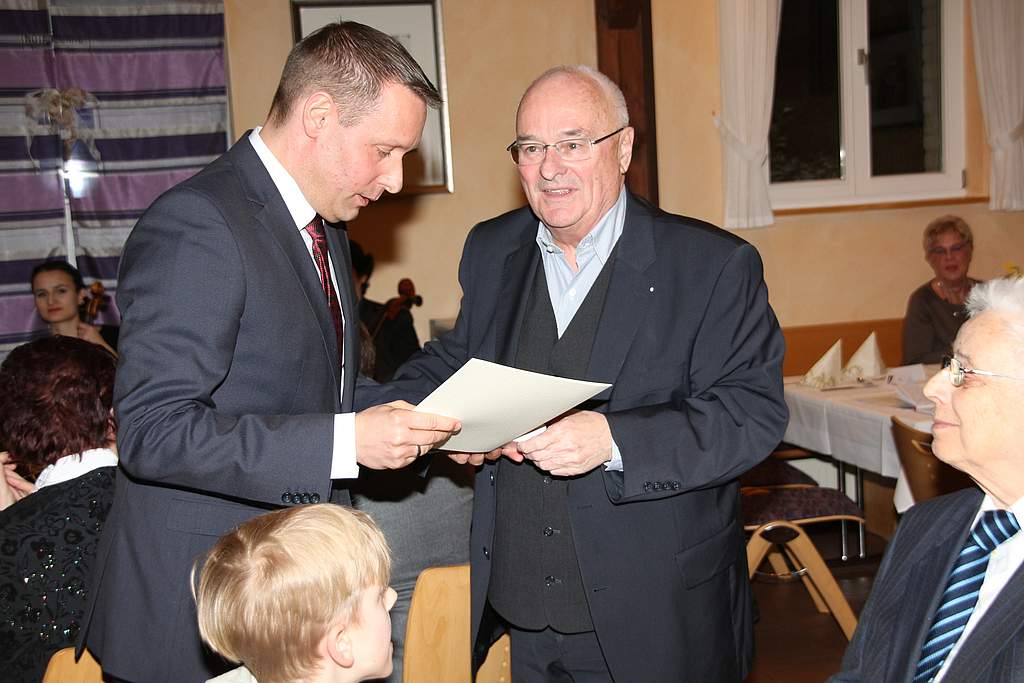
x: 809, y: 557
x: 757, y: 548
x: 819, y: 603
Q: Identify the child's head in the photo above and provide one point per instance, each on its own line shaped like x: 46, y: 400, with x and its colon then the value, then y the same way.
x: 289, y: 592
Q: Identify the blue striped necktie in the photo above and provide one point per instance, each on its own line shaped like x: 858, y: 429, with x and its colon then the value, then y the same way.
x: 961, y: 594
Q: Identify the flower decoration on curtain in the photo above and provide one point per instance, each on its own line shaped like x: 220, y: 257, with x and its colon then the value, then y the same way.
x: 57, y: 111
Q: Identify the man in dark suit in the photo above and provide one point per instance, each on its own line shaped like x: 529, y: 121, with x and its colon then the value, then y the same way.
x: 239, y: 355
x: 948, y: 600
x: 609, y: 545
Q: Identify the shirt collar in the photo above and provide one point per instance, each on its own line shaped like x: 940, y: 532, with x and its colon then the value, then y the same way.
x: 601, y: 239
x: 298, y: 206
x: 75, y: 465
x: 990, y: 503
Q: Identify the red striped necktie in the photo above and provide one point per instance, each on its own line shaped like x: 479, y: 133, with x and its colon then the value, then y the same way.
x: 315, y: 229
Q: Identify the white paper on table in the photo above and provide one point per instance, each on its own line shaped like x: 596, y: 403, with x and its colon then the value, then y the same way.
x: 912, y: 394
x: 906, y: 374
x: 496, y: 403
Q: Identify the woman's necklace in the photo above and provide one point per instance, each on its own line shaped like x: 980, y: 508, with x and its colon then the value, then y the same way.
x: 952, y: 295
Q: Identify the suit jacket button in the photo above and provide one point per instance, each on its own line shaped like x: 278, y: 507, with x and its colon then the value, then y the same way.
x: 675, y: 486
x: 647, y: 486
x: 548, y: 531
x: 656, y: 486
x: 304, y: 498
x: 314, y: 497
x: 286, y: 498
x: 487, y: 553
x: 492, y: 478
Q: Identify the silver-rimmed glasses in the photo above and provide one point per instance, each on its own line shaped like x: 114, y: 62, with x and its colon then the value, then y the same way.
x: 958, y: 372
x: 574, y: 149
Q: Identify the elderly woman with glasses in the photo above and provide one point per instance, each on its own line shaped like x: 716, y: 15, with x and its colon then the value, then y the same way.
x: 935, y: 310
x: 948, y: 600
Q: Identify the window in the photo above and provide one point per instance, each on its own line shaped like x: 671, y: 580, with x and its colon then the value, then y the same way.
x: 868, y: 102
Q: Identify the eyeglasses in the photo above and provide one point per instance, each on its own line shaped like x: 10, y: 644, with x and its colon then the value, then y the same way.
x: 958, y: 372
x: 574, y: 149
x: 948, y: 251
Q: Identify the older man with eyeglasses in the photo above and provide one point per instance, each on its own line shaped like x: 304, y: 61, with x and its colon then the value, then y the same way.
x: 609, y: 545
x: 948, y: 600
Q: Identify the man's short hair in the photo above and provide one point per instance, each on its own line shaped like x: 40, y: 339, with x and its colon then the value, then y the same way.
x: 944, y: 224
x: 352, y: 63
x: 270, y: 589
x: 613, y: 94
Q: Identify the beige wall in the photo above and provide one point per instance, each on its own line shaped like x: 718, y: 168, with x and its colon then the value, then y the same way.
x: 824, y: 267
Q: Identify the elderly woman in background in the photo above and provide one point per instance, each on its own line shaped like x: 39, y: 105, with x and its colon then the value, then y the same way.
x: 56, y: 422
x: 935, y: 310
x: 60, y: 294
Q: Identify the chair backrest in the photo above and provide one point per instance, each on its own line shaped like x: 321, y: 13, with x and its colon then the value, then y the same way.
x: 64, y: 669
x: 437, y: 635
x: 927, y: 476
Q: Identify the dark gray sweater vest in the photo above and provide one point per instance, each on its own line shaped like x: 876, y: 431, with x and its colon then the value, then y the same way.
x: 535, y: 577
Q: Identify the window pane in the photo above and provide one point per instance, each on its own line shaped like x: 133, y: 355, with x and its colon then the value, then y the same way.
x: 805, y: 137
x: 906, y: 86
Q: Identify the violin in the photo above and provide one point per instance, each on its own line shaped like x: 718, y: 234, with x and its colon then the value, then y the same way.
x: 96, y: 301
x: 406, y: 299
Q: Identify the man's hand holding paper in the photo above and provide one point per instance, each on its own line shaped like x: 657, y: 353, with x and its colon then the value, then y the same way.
x: 574, y: 444
x: 493, y: 417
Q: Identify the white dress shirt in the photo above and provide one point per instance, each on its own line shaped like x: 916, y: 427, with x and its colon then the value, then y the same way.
x: 568, y: 288
x: 343, y: 455
x: 1002, y: 563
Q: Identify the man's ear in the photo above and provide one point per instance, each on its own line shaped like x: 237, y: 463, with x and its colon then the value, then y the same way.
x: 317, y: 111
x: 337, y: 647
x: 625, y: 148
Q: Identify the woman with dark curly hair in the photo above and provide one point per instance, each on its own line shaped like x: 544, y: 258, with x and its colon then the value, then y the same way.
x: 56, y: 422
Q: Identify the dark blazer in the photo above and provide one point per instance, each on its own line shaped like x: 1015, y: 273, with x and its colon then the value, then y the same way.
x: 694, y: 353
x: 906, y: 593
x: 226, y: 390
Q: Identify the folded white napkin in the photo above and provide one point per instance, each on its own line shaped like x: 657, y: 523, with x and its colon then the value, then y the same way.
x: 866, y: 362
x: 827, y: 372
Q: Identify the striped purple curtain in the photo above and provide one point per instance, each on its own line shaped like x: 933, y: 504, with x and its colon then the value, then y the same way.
x: 103, y: 106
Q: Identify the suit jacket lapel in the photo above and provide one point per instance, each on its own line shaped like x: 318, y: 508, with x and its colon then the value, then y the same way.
x: 337, y: 244
x: 630, y: 294
x: 520, y: 269
x: 273, y: 216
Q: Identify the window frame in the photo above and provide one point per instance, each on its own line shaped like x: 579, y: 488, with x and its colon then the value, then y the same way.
x: 858, y: 186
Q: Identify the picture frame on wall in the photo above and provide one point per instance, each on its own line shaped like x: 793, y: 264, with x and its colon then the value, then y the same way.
x: 416, y: 24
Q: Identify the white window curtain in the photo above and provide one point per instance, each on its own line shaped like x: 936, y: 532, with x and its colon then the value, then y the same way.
x: 999, y: 59
x: 748, y: 36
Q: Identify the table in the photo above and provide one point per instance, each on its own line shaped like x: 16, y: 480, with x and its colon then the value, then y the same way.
x: 853, y: 426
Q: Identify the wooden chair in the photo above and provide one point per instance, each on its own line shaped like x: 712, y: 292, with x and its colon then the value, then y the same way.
x: 64, y: 669
x: 926, y: 475
x: 774, y: 517
x: 437, y: 646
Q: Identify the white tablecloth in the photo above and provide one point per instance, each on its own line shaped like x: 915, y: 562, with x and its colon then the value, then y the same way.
x: 853, y: 426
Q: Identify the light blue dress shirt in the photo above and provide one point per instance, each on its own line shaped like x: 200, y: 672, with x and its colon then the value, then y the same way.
x: 566, y: 288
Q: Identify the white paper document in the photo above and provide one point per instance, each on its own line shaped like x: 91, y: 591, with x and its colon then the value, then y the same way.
x: 912, y: 395
x: 496, y: 404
